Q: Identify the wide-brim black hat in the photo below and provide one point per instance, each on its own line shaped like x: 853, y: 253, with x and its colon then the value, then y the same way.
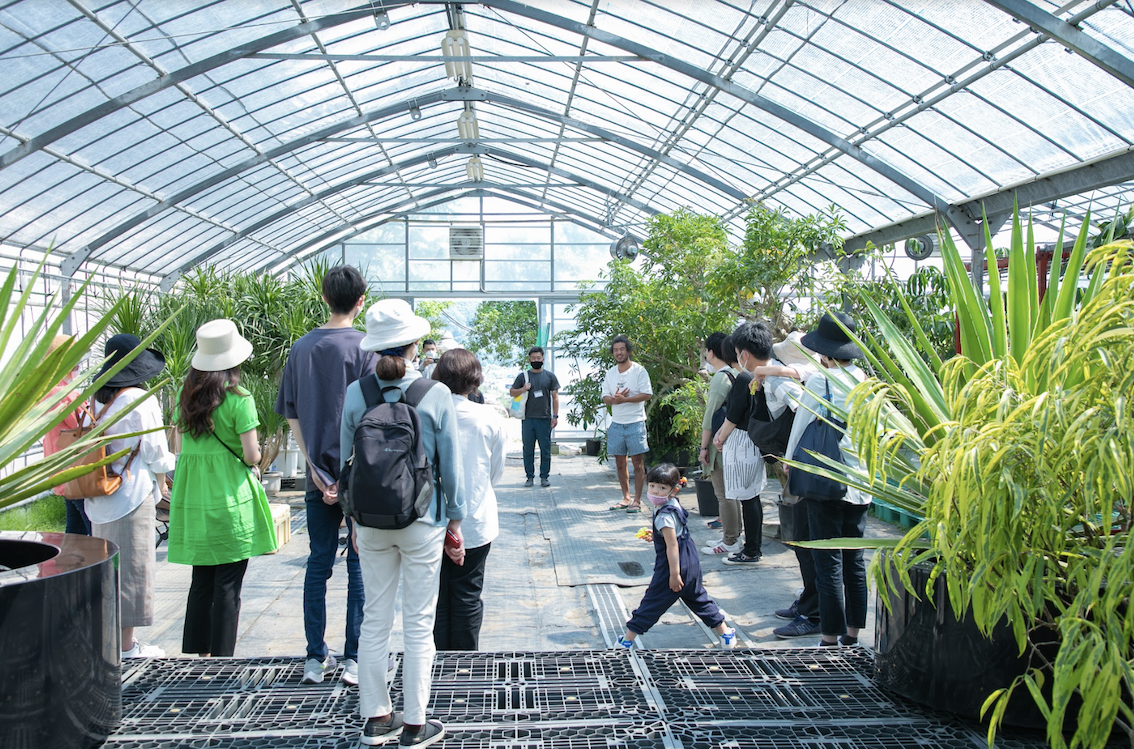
x: 142, y: 367
x: 830, y: 340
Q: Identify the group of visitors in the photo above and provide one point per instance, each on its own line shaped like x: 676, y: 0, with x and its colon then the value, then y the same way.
x: 777, y: 384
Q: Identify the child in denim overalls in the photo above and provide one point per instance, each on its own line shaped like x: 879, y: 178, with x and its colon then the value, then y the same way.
x: 677, y: 569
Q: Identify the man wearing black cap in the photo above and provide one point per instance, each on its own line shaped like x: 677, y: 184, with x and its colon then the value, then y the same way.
x: 840, y: 576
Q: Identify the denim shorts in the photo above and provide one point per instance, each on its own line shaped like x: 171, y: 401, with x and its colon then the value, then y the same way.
x: 626, y: 439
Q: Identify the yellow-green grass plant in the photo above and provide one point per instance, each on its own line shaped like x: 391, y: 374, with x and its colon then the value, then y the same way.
x: 1019, y: 452
x: 28, y: 372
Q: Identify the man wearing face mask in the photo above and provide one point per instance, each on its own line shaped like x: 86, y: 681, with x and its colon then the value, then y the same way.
x: 541, y: 414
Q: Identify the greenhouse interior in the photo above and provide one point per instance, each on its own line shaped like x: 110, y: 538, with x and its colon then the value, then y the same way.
x: 845, y: 288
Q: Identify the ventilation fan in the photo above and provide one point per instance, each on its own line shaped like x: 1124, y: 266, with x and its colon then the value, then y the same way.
x: 919, y: 248
x: 466, y: 243
x: 625, y: 248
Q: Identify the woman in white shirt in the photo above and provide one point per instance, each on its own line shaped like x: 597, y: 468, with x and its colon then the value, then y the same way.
x: 127, y: 516
x: 481, y: 433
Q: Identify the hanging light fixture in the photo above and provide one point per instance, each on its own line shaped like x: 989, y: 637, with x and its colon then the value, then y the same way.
x: 456, y: 44
x: 382, y: 20
x: 415, y: 112
x: 474, y: 169
x: 468, y: 127
x: 432, y: 161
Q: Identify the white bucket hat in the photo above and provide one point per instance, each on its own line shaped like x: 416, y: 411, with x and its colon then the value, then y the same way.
x: 391, y: 323
x: 220, y: 347
x: 792, y: 351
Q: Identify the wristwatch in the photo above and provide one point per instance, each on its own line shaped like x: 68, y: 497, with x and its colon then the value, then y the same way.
x: 555, y: 416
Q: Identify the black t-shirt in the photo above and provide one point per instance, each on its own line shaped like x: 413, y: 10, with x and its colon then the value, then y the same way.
x: 539, y: 397
x: 739, y: 402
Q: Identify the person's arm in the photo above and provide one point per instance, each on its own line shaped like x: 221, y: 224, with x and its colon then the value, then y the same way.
x: 554, y: 408
x: 803, y: 416
x: 448, y: 447
x: 718, y: 390
x: 499, y: 447
x: 520, y: 386
x: 250, y: 444
x: 608, y: 389
x: 776, y: 370
x: 153, y: 449
x: 673, y: 556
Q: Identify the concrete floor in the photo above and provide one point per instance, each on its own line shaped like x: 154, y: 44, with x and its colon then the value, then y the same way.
x: 526, y: 607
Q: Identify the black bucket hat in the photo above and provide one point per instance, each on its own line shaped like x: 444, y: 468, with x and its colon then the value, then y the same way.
x: 830, y: 340
x: 143, y: 367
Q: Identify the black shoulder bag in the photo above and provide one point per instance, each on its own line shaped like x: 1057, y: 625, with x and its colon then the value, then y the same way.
x: 819, y: 438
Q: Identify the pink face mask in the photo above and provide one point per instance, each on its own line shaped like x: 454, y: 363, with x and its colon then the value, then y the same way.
x: 657, y: 500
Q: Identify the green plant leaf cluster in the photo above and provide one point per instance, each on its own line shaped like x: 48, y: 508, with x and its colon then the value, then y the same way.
x: 503, y: 332
x: 1019, y: 452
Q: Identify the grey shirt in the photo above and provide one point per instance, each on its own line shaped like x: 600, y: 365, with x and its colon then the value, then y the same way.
x: 319, y: 368
x: 544, y: 383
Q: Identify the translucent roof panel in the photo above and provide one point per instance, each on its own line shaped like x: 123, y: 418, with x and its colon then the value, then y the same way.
x: 149, y: 136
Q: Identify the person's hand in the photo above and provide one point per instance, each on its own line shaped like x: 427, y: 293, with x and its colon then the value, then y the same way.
x: 354, y: 539
x: 675, y: 583
x: 330, y: 493
x: 527, y: 386
x: 718, y: 441
x: 256, y: 472
x: 703, y: 456
x: 554, y: 422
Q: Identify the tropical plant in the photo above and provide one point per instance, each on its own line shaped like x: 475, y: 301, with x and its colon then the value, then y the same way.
x: 503, y: 332
x: 27, y: 375
x: 434, y: 312
x: 1020, y: 454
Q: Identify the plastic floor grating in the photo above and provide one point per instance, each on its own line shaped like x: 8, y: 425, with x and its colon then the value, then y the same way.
x: 740, y: 699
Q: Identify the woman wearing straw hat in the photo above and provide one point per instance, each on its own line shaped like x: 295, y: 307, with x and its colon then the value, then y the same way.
x: 127, y: 517
x: 412, y: 553
x: 218, y: 515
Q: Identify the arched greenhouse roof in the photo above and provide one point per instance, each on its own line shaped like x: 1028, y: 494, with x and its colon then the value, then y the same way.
x: 155, y: 135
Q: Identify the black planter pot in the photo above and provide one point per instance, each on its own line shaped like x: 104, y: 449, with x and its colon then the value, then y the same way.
x: 924, y: 653
x: 592, y: 447
x: 59, y: 641
x: 707, y: 504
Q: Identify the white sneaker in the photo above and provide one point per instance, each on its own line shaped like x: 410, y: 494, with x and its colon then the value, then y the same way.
x: 138, y: 650
x: 313, y: 670
x: 350, y: 672
x: 721, y: 548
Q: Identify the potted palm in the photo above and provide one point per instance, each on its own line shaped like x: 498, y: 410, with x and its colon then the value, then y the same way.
x: 1019, y: 454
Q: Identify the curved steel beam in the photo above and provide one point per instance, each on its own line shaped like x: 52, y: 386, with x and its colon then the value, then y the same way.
x: 72, y: 262
x: 1071, y: 37
x: 501, y: 191
x: 510, y: 6
x: 382, y: 172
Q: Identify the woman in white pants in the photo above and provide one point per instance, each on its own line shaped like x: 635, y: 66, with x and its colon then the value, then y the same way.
x: 411, y: 554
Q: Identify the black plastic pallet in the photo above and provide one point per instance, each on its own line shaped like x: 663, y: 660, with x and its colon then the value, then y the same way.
x: 930, y: 735
x: 634, y: 736
x: 797, y: 664
x: 559, y: 665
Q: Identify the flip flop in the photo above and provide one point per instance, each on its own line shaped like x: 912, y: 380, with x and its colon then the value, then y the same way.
x: 634, y: 508
x: 620, y: 506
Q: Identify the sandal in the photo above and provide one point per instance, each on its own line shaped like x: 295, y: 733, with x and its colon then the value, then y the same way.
x: 634, y: 508
x: 622, y: 505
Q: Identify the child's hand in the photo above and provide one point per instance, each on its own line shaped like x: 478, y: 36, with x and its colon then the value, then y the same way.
x: 675, y: 583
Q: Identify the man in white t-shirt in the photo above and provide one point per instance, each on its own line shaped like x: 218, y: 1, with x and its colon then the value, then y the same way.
x: 626, y: 389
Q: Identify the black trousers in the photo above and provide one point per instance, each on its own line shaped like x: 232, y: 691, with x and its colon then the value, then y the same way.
x: 752, y: 515
x: 460, y: 610
x: 809, y: 598
x: 212, y: 612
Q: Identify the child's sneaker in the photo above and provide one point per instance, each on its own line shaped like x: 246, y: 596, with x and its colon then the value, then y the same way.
x: 728, y: 639
x: 624, y: 643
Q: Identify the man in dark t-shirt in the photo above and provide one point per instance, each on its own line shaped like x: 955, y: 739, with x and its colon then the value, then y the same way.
x: 541, y: 415
x: 319, y: 368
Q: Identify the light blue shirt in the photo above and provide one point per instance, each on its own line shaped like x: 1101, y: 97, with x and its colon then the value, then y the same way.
x: 439, y: 438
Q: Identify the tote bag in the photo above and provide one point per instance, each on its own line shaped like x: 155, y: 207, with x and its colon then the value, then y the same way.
x: 820, y: 438
x: 519, y: 404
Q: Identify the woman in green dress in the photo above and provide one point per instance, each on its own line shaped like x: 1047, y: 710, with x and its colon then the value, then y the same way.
x: 219, y: 516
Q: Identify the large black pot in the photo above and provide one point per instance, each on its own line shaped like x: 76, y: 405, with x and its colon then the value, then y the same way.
x: 593, y: 447
x: 707, y: 504
x: 924, y: 653
x: 59, y: 641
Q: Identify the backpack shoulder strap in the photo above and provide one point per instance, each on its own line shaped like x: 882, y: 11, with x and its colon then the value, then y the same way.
x: 731, y: 377
x: 371, y: 392
x: 417, y: 390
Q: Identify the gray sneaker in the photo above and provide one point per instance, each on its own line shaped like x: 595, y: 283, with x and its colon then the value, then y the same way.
x: 545, y: 482
x: 313, y: 669
x: 529, y: 482
x: 799, y: 627
x: 350, y: 672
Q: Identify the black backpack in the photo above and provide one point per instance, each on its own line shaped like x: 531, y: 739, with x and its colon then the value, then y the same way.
x: 721, y: 413
x: 388, y: 481
x: 769, y: 435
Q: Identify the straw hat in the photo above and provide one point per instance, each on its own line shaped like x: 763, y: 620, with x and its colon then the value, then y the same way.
x: 792, y: 351
x: 220, y: 347
x: 390, y: 323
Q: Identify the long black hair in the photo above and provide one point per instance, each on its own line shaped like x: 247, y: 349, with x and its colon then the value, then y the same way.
x: 201, y: 395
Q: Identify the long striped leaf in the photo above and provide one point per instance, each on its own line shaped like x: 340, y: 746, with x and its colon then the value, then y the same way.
x: 996, y: 294
x: 1019, y: 290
